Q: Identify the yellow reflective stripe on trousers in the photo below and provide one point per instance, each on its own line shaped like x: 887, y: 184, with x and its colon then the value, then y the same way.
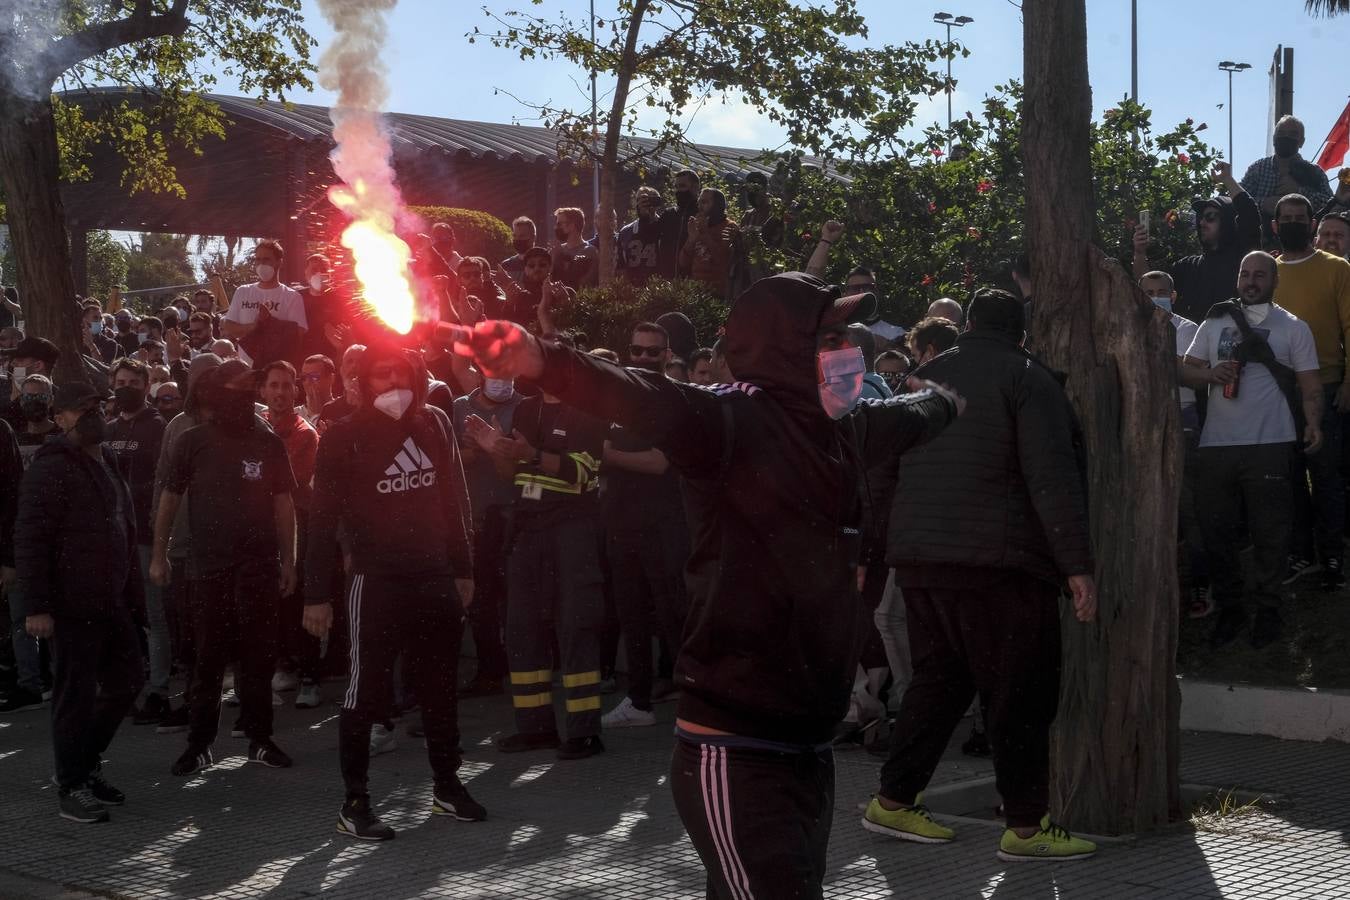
x: 581, y: 679
x: 585, y: 704
x: 539, y: 676
x: 530, y: 701
x: 557, y: 485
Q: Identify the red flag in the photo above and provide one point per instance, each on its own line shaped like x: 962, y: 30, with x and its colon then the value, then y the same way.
x: 1338, y: 141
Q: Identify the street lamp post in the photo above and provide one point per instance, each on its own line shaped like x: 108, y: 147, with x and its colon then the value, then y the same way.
x: 1230, y: 67
x: 948, y: 21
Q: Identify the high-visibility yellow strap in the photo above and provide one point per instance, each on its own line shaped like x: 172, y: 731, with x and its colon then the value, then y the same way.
x: 585, y: 704
x: 557, y: 485
x: 530, y: 701
x: 586, y: 461
x: 540, y: 676
x: 581, y: 679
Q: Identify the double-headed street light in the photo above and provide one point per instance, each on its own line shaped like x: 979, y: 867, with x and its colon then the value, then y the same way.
x: 948, y: 21
x: 1230, y: 67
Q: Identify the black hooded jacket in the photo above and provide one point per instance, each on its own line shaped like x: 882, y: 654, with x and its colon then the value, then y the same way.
x: 1210, y: 277
x: 776, y: 624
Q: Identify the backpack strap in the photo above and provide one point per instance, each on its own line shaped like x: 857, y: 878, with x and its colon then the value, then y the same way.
x: 1255, y: 349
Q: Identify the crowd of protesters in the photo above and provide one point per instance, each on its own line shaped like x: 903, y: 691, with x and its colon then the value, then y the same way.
x: 821, y: 529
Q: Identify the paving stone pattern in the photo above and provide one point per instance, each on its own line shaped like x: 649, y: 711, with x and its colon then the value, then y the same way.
x: 599, y: 828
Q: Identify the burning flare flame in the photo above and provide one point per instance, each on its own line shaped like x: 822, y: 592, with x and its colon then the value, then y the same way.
x: 380, y: 257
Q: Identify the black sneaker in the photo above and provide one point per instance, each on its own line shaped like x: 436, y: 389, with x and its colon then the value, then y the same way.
x: 152, y: 712
x: 1267, y: 628
x: 268, y: 754
x: 1230, y: 621
x: 1333, y: 579
x: 580, y: 748
x: 977, y: 744
x: 237, y: 729
x: 103, y: 792
x: 1298, y: 567
x: 175, y: 721
x: 356, y: 820
x: 80, y: 805
x: 519, y: 743
x: 192, y: 761
x: 454, y: 801
x: 19, y: 699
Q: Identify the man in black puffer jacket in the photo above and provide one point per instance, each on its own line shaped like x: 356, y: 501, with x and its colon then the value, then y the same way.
x: 79, y: 586
x: 987, y: 520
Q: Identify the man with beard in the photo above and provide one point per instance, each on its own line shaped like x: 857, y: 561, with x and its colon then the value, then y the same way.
x: 647, y: 245
x: 523, y: 299
x: 776, y: 627
x: 1315, y: 287
x: 1266, y: 360
x: 1333, y: 234
x: 1228, y: 227
x: 241, y: 558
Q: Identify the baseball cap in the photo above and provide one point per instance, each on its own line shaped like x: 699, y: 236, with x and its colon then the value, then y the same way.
x: 849, y: 308
x: 74, y: 394
x: 37, y: 348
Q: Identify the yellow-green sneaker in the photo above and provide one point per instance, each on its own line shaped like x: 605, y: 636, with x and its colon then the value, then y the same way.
x: 1052, y: 842
x: 912, y: 823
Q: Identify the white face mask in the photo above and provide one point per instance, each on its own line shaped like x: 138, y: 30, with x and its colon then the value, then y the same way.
x: 840, y: 375
x: 1163, y: 303
x: 265, y: 272
x: 394, y: 402
x: 498, y: 390
x: 318, y: 282
x: 1256, y: 313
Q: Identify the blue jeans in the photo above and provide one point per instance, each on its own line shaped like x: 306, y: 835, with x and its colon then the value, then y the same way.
x: 1319, y: 511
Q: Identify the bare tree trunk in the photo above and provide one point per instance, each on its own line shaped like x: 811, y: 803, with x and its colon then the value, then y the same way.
x: 1114, y: 765
x: 609, y: 157
x: 30, y: 169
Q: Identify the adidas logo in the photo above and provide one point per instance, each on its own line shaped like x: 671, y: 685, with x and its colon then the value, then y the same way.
x: 411, y: 469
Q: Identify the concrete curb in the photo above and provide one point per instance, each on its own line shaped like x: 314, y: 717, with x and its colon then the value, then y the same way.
x: 1293, y: 714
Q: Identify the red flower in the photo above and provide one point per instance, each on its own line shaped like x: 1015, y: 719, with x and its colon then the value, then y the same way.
x: 932, y: 207
x: 1183, y: 159
x: 973, y: 232
x: 927, y: 280
x: 937, y: 151
x: 985, y: 186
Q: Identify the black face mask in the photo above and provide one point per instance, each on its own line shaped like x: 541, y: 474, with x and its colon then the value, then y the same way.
x: 36, y: 407
x: 1286, y: 147
x: 1294, y: 236
x: 522, y: 246
x: 128, y: 399
x: 685, y: 198
x: 233, y: 409
x: 90, y: 429
x: 754, y: 198
x: 560, y: 233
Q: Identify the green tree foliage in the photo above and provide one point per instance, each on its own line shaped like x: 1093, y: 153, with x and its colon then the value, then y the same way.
x: 159, y: 260
x: 476, y: 233
x: 607, y: 314
x: 107, y: 264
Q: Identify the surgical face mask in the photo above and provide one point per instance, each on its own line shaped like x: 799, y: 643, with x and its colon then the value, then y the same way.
x: 36, y: 407
x: 498, y: 390
x: 265, y: 272
x: 394, y: 402
x: 1285, y: 147
x: 96, y: 327
x: 318, y: 283
x: 1163, y: 303
x: 142, y: 337
x: 89, y: 429
x: 840, y: 380
x: 1256, y: 312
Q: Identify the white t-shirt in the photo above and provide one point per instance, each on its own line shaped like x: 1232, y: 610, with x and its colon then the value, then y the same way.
x: 1185, y: 335
x: 1259, y: 414
x: 281, y: 301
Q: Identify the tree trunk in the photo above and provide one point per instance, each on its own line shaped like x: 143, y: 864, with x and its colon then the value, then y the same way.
x: 609, y: 156
x: 1114, y: 765
x: 30, y: 170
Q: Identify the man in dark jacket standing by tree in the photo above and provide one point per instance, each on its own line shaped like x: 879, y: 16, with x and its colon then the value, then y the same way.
x: 79, y: 586
x: 987, y: 519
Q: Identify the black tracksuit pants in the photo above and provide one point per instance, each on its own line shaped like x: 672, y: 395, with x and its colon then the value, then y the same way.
x: 97, y: 673
x: 1256, y: 479
x: 646, y: 571
x: 419, y: 616
x: 1001, y: 640
x: 489, y: 592
x: 759, y: 819
x: 235, y: 618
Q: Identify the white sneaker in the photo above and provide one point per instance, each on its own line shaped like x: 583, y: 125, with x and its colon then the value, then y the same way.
x: 308, y: 697
x: 382, y: 740
x: 626, y: 715
x: 276, y: 699
x: 285, y: 681
x: 230, y: 698
x: 227, y: 683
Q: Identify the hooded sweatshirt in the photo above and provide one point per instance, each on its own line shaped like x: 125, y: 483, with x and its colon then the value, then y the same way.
x: 775, y: 625
x: 1210, y: 277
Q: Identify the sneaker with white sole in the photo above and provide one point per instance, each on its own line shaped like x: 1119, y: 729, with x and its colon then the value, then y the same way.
x: 382, y: 740
x: 1298, y: 567
x: 308, y: 697
x: 229, y: 697
x: 453, y: 800
x: 266, y: 753
x: 626, y: 715
x: 357, y: 820
x: 80, y: 805
x: 285, y: 681
x: 1050, y: 842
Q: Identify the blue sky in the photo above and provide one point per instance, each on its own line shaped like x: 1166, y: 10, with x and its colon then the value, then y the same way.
x: 434, y: 71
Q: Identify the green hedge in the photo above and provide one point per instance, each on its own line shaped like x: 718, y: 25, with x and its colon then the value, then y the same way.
x: 607, y: 315
x: 476, y: 233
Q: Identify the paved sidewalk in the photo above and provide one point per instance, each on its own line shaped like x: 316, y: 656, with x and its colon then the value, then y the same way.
x: 598, y: 828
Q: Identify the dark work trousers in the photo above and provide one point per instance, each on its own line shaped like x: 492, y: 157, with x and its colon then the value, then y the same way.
x: 554, y: 588
x: 235, y: 614
x: 299, y: 646
x: 1002, y: 641
x: 759, y: 819
x: 647, y: 574
x: 1319, y: 498
x: 489, y: 593
x: 1255, y: 478
x: 178, y: 600
x: 98, y: 672
x: 874, y: 588
x: 1188, y: 506
x: 420, y: 618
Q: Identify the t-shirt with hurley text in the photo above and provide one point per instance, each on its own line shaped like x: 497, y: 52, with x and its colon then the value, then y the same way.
x: 231, y: 478
x: 1260, y: 413
x: 281, y: 301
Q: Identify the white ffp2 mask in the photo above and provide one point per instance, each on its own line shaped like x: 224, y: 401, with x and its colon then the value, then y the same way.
x: 839, y: 375
x: 394, y: 402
